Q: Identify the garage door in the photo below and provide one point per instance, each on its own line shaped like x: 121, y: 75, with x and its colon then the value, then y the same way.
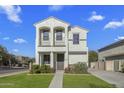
x: 116, y: 65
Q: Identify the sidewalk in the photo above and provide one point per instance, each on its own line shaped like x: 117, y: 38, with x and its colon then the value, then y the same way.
x: 57, y: 81
x: 13, y: 73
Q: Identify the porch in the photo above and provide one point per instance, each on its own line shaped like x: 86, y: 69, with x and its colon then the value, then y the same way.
x: 55, y: 60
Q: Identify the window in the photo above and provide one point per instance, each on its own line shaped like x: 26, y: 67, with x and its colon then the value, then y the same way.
x: 59, y: 35
x: 46, y: 35
x: 75, y: 38
x: 46, y: 59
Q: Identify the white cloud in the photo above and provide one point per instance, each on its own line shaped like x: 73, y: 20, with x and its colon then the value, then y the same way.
x: 15, y: 50
x: 56, y: 7
x: 20, y: 40
x: 114, y: 24
x: 119, y: 38
x: 94, y: 17
x: 12, y: 13
x: 6, y: 38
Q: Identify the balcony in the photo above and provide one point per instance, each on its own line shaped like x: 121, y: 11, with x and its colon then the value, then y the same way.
x: 45, y: 43
x: 59, y: 43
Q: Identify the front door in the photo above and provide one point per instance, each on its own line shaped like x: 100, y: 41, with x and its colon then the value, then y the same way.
x: 60, y: 61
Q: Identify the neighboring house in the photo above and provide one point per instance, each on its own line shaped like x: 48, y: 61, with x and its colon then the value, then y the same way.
x: 112, y: 55
x: 58, y: 44
x: 22, y: 60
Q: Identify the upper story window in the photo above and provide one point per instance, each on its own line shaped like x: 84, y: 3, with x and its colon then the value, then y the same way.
x: 76, y: 38
x: 59, y: 35
x: 45, y: 35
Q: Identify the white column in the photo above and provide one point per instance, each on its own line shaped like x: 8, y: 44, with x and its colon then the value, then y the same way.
x: 37, y: 57
x: 36, y: 46
x: 66, y: 52
x: 40, y: 59
x: 66, y: 60
x: 51, y: 59
x: 52, y: 34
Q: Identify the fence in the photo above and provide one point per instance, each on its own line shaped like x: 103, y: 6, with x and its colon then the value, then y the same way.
x: 98, y: 65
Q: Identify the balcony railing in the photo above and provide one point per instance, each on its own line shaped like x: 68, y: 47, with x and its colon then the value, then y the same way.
x: 59, y: 43
x: 48, y: 43
x: 45, y: 43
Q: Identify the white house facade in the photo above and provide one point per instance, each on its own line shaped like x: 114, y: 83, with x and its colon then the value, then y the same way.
x: 59, y: 45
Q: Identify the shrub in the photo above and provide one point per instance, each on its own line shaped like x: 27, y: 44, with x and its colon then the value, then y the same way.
x: 35, y: 69
x: 49, y: 69
x: 43, y: 69
x: 46, y: 69
x: 79, y: 68
x: 67, y: 70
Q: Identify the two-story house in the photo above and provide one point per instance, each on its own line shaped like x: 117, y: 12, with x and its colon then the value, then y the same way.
x: 58, y: 44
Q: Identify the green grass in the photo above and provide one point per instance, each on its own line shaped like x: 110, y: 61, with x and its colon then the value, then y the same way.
x: 84, y: 81
x: 25, y: 81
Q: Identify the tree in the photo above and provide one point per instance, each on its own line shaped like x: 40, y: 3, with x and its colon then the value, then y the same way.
x: 13, y: 59
x: 93, y: 56
x: 4, y: 55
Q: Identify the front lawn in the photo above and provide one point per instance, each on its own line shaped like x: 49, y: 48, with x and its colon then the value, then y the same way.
x: 84, y: 81
x: 26, y: 81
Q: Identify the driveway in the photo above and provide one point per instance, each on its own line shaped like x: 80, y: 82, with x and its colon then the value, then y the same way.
x: 116, y: 78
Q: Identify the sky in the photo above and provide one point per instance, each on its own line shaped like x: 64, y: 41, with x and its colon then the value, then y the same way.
x: 17, y: 33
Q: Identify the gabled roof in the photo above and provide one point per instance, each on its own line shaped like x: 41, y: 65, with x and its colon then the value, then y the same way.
x: 50, y: 18
x: 80, y: 28
x: 113, y: 45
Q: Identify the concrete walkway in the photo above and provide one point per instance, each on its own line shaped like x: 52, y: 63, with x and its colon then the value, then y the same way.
x: 116, y: 78
x: 57, y: 81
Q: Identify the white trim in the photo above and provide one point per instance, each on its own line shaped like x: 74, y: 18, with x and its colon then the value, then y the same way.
x: 50, y: 18
x: 80, y: 28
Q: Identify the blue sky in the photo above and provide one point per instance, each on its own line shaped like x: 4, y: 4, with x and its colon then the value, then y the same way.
x: 17, y: 33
